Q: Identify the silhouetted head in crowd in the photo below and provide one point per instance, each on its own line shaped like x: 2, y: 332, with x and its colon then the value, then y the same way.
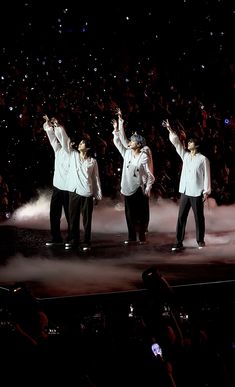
x: 21, y: 298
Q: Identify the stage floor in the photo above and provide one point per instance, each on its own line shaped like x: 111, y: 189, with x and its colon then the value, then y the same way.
x: 111, y: 266
x: 87, y: 295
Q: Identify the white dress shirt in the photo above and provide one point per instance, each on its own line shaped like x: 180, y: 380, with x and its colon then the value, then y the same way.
x: 195, y: 175
x: 84, y: 176
x: 135, y: 171
x: 61, y: 162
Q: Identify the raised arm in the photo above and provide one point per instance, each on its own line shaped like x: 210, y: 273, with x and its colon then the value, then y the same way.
x: 122, y: 134
x: 116, y: 138
x: 62, y: 137
x: 166, y: 124
x: 51, y: 134
x: 174, y: 139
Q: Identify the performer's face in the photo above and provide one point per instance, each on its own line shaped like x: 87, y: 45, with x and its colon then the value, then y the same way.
x: 133, y: 145
x: 191, y: 145
x: 54, y: 122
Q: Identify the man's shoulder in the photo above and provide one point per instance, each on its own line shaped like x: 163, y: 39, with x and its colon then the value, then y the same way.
x: 144, y: 156
x: 92, y: 160
x: 203, y: 157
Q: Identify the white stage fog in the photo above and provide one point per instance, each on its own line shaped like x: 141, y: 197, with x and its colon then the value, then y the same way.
x: 111, y: 266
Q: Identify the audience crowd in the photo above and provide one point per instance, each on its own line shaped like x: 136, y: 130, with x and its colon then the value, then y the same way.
x: 156, y: 337
x: 85, y: 98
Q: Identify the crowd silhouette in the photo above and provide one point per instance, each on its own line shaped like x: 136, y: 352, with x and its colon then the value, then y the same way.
x: 82, y: 103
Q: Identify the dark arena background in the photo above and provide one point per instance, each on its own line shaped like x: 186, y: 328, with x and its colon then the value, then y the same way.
x: 117, y: 315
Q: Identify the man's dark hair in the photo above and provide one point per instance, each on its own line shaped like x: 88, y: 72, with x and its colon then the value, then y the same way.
x: 195, y: 140
x: 76, y: 141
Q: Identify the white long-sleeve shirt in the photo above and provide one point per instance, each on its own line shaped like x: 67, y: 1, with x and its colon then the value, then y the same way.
x: 61, y: 162
x: 145, y: 149
x: 83, y: 174
x: 135, y: 171
x: 195, y: 177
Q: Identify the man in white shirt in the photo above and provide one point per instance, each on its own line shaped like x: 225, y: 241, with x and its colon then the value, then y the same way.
x: 136, y: 182
x: 60, y: 196
x: 195, y: 186
x: 146, y: 150
x: 84, y: 186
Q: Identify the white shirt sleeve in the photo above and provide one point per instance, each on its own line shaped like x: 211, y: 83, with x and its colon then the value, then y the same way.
x: 52, y: 137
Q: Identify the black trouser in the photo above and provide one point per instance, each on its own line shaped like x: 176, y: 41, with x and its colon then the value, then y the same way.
x: 80, y: 205
x: 186, y: 202
x: 137, y: 214
x: 59, y: 201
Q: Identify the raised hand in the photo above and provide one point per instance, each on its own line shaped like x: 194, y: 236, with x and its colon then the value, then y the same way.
x: 166, y: 124
x: 45, y: 117
x: 119, y: 114
x: 115, y: 124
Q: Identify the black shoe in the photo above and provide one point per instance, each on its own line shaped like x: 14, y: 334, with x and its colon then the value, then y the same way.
x: 144, y: 242
x: 54, y: 243
x: 85, y: 247
x: 177, y: 247
x: 71, y: 245
x: 130, y: 243
x: 201, y: 245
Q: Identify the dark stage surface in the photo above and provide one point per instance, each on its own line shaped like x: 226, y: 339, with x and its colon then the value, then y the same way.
x: 98, y: 299
x: 110, y: 266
